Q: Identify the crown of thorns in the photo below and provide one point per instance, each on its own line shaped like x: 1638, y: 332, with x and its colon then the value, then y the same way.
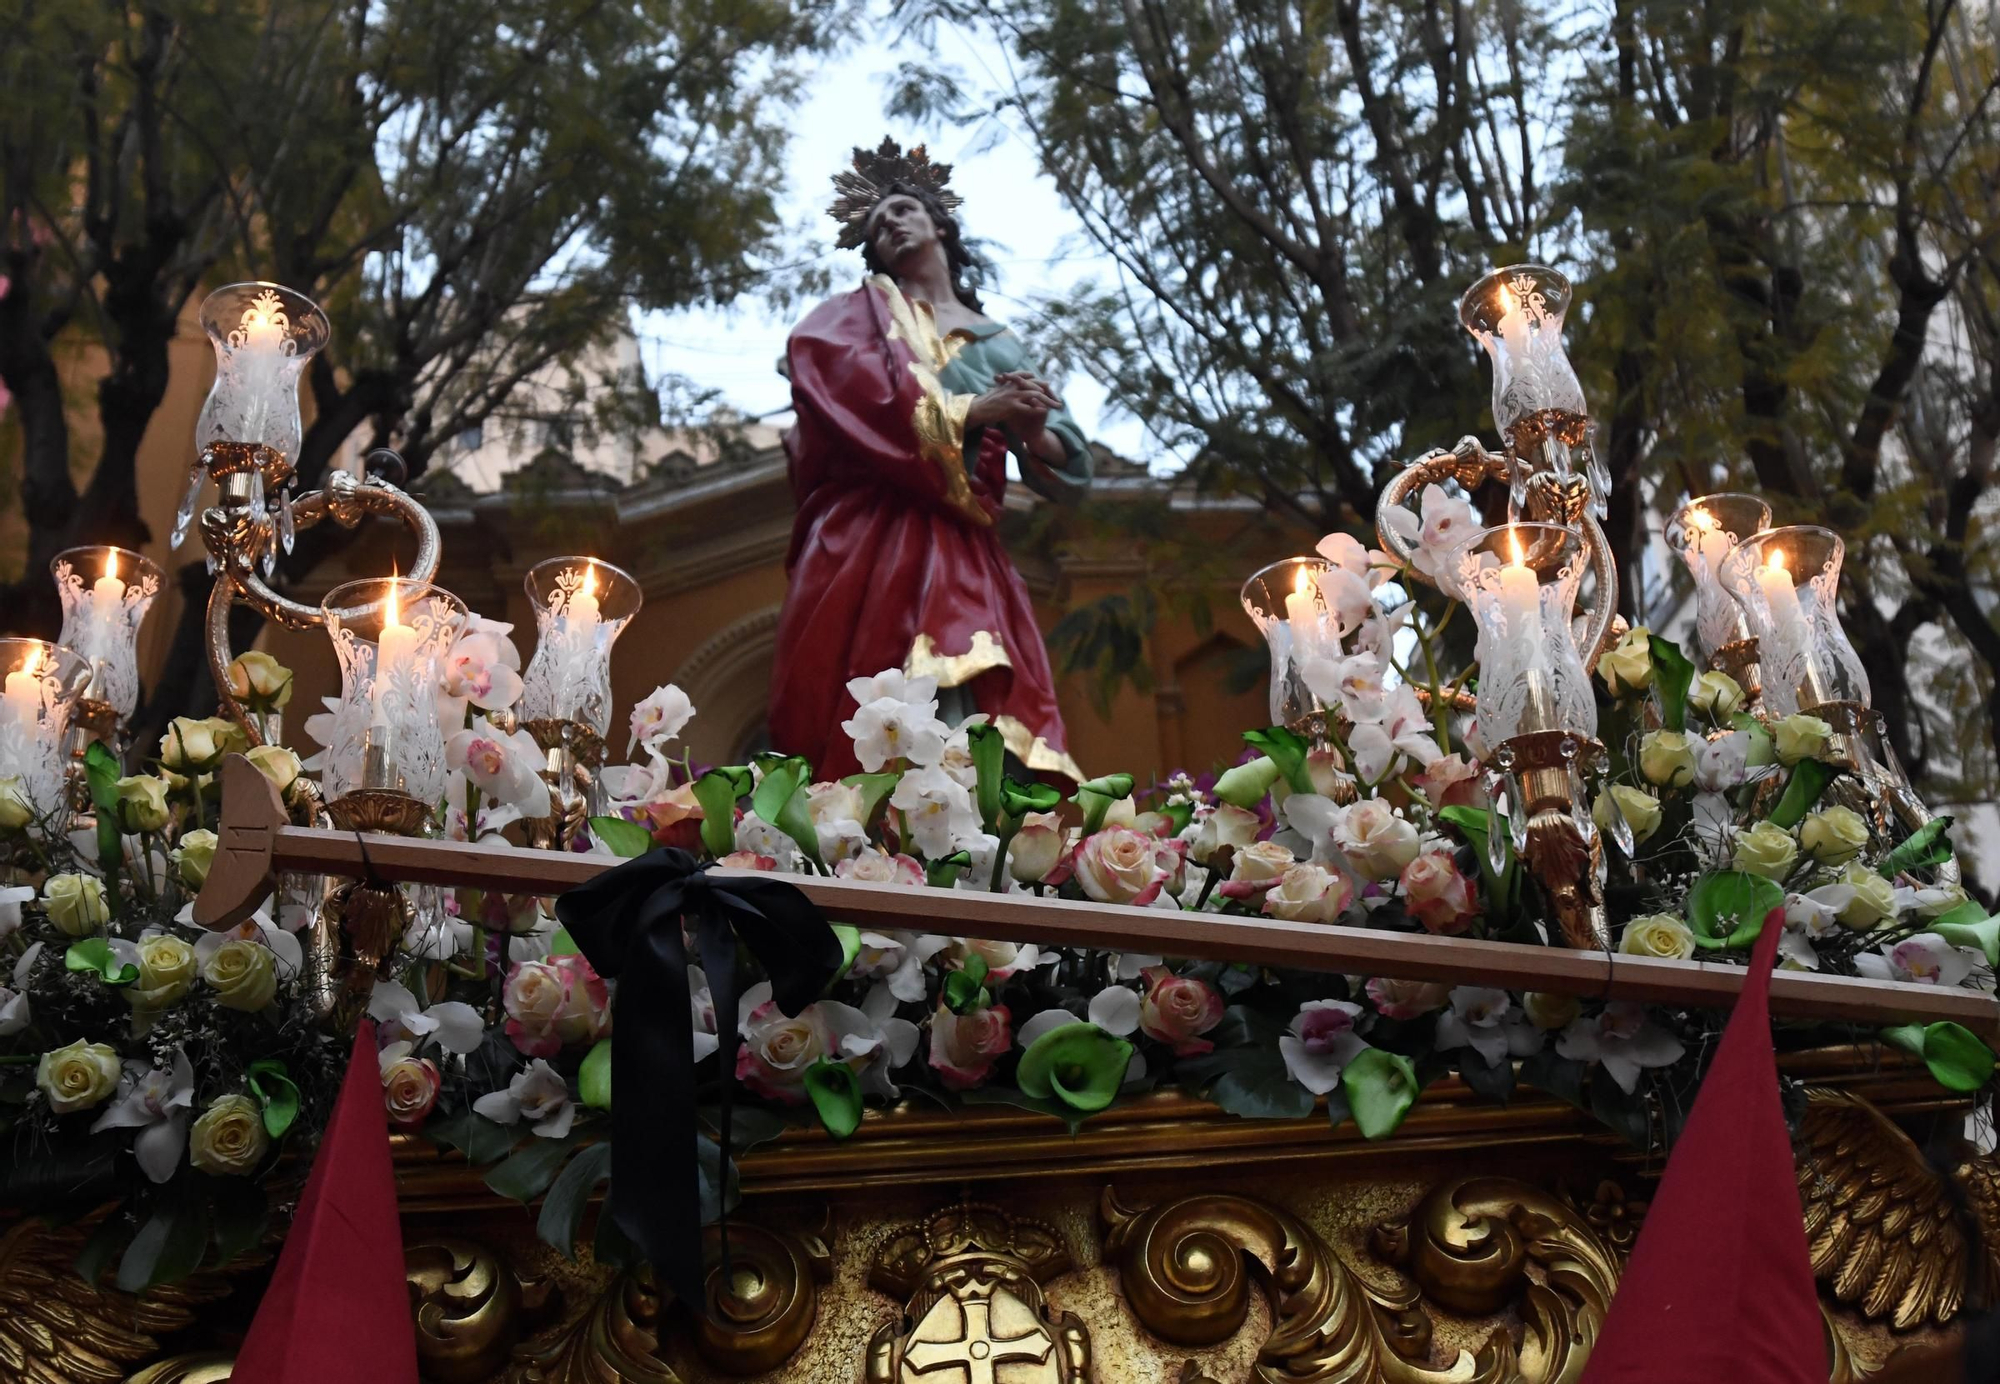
x: 874, y: 173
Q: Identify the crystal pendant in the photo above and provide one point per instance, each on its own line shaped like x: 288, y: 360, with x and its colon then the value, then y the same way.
x: 184, y: 516
x: 1621, y: 830
x: 1496, y: 845
x: 1600, y: 480
x: 286, y: 530
x: 268, y: 551
x: 1517, y: 815
x: 1579, y: 808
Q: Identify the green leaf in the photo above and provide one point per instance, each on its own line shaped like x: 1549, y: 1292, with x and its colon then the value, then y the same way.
x: 1734, y: 900
x: 1958, y: 1060
x: 717, y: 792
x: 481, y: 1140
x: 1079, y: 1065
x: 1021, y: 1100
x: 1673, y: 674
x: 527, y: 1173
x: 1559, y: 1076
x: 1929, y: 844
x: 276, y: 1092
x: 562, y: 944
x: 101, y: 772
x: 1809, y: 779
x: 169, y: 1244
x: 875, y: 790
x: 1245, y: 785
x: 989, y: 756
x: 569, y: 1198
x: 1493, y: 1080
x: 1288, y: 750
x: 241, y: 1211
x: 93, y: 954
x: 1338, y: 1111
x: 620, y: 837
x: 593, y: 1076
x: 105, y: 1242
x: 781, y: 800
x: 1381, y: 1086
x: 1096, y: 796
x: 942, y: 873
x: 1473, y: 823
x: 836, y: 1095
x: 1250, y: 1082
x: 1983, y: 934
x: 1622, y: 1110
x: 964, y: 990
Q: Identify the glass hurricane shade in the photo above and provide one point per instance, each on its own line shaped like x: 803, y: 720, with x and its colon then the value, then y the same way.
x: 106, y: 592
x: 391, y: 635
x: 1787, y: 582
x: 1705, y: 531
x: 581, y: 606
x: 39, y: 685
x: 1520, y: 582
x: 264, y: 335
x: 1284, y: 602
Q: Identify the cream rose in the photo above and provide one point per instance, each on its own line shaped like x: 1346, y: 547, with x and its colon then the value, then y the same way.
x: 964, y: 1047
x: 78, y: 1076
x: 1118, y: 865
x: 1177, y: 1010
x: 549, y: 1003
x: 1438, y: 894
x: 193, y: 854
x: 1379, y: 842
x: 1228, y: 825
x: 410, y: 1085
x: 1716, y: 695
x: 260, y: 681
x: 1874, y: 898
x: 275, y: 763
x: 1834, y: 835
x: 1666, y: 757
x: 198, y: 746
x: 1657, y: 934
x: 778, y: 1051
x: 1036, y: 848
x: 166, y: 969
x: 1259, y: 863
x: 1801, y: 737
x: 243, y: 974
x: 1766, y: 849
x: 1548, y: 1011
x: 1641, y: 810
x: 876, y: 866
x: 16, y: 811
x: 1308, y: 893
x: 75, y: 904
x: 142, y: 803
x: 1627, y: 666
x: 228, y: 1138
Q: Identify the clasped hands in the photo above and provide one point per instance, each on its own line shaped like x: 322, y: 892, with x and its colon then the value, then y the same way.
x: 1019, y: 405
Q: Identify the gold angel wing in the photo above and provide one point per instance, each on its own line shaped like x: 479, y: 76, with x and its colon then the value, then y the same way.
x: 1879, y: 1221
x: 57, y: 1329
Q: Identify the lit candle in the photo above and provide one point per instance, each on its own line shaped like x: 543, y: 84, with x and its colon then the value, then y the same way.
x: 1521, y: 605
x: 394, y: 652
x: 1299, y: 606
x: 581, y: 612
x: 1711, y: 543
x: 107, y: 593
x: 1513, y: 322
x: 1779, y: 593
x: 22, y: 700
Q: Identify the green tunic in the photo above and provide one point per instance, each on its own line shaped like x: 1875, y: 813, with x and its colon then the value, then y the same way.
x: 986, y: 352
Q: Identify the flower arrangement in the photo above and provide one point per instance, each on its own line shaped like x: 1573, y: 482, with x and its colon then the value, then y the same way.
x: 180, y: 1060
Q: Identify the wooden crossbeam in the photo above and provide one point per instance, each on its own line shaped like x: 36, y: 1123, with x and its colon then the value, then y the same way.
x: 257, y: 843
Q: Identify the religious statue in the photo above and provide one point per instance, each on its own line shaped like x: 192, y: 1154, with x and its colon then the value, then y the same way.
x: 910, y: 401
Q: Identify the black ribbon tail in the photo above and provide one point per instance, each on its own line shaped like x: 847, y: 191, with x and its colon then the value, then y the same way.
x: 718, y: 951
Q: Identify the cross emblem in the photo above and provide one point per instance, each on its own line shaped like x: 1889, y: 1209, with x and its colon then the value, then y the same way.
x: 978, y: 1352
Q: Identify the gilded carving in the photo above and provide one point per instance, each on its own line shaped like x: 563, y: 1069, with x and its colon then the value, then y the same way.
x: 205, y: 1368
x: 1470, y: 1244
x: 1187, y: 1267
x: 57, y: 1329
x: 614, y: 1340
x: 467, y: 1306
x: 972, y: 1278
x: 1880, y: 1222
x: 764, y: 1309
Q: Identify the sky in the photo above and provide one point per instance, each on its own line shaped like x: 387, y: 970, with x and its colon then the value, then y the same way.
x: 1036, y: 244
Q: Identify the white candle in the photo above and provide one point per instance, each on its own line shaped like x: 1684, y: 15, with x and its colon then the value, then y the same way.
x: 580, y: 615
x: 107, y: 593
x: 1513, y: 322
x: 1779, y: 593
x: 394, y: 652
x: 1521, y: 604
x: 1711, y: 543
x: 23, y: 698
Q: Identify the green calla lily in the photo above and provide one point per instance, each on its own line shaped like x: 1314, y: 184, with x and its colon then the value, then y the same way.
x: 836, y: 1095
x: 1984, y: 934
x: 1809, y: 779
x: 1673, y: 673
x: 942, y: 873
x: 717, y: 792
x: 1096, y: 796
x: 620, y: 837
x: 94, y: 954
x: 1246, y: 784
x: 593, y: 1078
x: 277, y: 1094
x: 1288, y: 750
x: 1727, y: 908
x: 1380, y: 1087
x: 850, y: 947
x: 780, y: 799
x: 989, y: 755
x: 1079, y: 1065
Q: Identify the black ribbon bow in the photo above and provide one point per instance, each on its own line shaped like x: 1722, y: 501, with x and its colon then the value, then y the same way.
x: 627, y: 923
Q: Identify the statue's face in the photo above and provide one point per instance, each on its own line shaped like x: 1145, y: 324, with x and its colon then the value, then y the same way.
x: 899, y: 228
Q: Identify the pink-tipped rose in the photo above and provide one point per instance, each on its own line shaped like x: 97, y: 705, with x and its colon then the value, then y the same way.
x: 877, y: 866
x: 1177, y: 1010
x: 1310, y: 893
x: 1120, y: 865
x: 964, y: 1047
x: 1452, y: 780
x: 1254, y: 869
x: 410, y: 1085
x: 778, y: 1051
x: 1407, y: 999
x: 553, y: 1002
x: 747, y: 860
x: 1438, y: 895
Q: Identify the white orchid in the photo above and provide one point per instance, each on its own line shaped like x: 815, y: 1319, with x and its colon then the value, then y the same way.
x: 483, y: 669
x: 759, y: 837
x: 937, y: 808
x: 452, y: 1025
x: 1355, y: 683
x: 1488, y: 1022
x: 1320, y: 1042
x: 323, y: 728
x: 887, y: 729
x: 896, y: 961
x: 1402, y: 729
x: 1623, y: 1040
x: 11, y: 899
x: 660, y: 718
x: 16, y: 1013
x: 1923, y: 959
x: 159, y: 1104
x: 508, y: 768
x: 1346, y: 552
x: 701, y: 1012
x: 1809, y: 917
x: 1442, y: 522
x: 894, y: 685
x: 489, y: 818
x: 536, y: 1093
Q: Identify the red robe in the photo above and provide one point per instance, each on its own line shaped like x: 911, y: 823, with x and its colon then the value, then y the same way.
x: 895, y: 560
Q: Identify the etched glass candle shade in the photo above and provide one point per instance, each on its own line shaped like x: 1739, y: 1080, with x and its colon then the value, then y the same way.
x: 106, y: 593
x: 391, y: 635
x: 1787, y: 582
x: 581, y: 606
x: 1285, y: 603
x: 37, y: 700
x: 264, y: 335
x: 1520, y: 582
x: 1705, y: 532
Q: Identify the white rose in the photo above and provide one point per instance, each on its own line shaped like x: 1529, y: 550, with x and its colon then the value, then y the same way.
x: 1036, y: 847
x: 75, y: 904
x: 1118, y: 865
x: 1228, y: 825
x: 1309, y: 893
x: 78, y: 1076
x: 1378, y: 841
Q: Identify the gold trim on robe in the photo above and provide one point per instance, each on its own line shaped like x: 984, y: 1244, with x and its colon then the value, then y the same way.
x: 955, y: 670
x: 939, y: 420
x: 1036, y: 752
